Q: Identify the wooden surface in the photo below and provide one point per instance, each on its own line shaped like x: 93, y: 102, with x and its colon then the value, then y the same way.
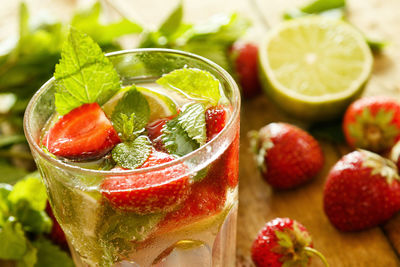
x: 258, y: 203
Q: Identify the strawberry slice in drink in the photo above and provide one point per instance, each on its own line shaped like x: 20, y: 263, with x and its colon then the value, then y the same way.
x: 160, y: 190
x: 83, y: 133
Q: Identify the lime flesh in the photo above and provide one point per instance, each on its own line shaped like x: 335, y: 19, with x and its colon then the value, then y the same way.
x: 314, y: 67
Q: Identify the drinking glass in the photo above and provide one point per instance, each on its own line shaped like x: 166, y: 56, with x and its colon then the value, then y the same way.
x: 98, y: 234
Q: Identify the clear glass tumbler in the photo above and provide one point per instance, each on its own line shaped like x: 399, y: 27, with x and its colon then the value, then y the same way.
x: 201, y: 232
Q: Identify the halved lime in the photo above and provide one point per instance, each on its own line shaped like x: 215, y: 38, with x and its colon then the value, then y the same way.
x: 314, y: 67
x: 161, y: 105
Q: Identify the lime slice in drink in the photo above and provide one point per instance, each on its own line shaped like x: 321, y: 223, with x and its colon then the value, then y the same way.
x: 314, y: 67
x: 161, y: 105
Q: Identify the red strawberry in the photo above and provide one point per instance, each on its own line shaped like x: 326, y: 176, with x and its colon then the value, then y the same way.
x: 207, y: 198
x: 226, y: 167
x: 362, y: 191
x: 245, y: 57
x: 160, y: 190
x: 83, y: 133
x: 372, y: 123
x: 395, y: 154
x: 154, y: 131
x: 216, y: 118
x: 57, y: 234
x: 286, y: 155
x: 283, y: 242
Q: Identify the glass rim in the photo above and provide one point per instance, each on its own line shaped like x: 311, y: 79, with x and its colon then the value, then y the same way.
x: 221, y: 72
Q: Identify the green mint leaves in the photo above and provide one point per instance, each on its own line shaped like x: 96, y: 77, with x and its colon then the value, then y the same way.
x: 131, y: 155
x: 22, y: 220
x: 194, y: 83
x: 84, y: 74
x: 131, y: 114
x: 186, y: 132
x: 192, y: 119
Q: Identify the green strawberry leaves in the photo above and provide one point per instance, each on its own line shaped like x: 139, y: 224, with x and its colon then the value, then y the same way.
x: 84, y: 74
x: 133, y: 154
x: 187, y: 131
x: 194, y: 83
x: 131, y: 114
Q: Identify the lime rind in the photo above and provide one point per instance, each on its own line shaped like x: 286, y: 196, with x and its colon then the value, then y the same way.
x: 339, y: 54
x: 161, y: 105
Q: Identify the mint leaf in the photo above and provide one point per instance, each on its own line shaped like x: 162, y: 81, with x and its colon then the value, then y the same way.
x: 131, y: 114
x: 215, y: 52
x: 176, y: 140
x: 13, y: 241
x: 193, y: 121
x: 30, y: 257
x: 221, y: 28
x: 88, y: 21
x: 173, y: 22
x: 31, y: 190
x: 318, y: 6
x: 5, y: 190
x: 50, y: 255
x: 84, y: 74
x: 131, y: 155
x: 376, y: 45
x: 32, y: 220
x: 194, y: 83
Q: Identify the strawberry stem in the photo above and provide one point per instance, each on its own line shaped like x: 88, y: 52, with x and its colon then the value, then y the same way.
x: 317, y: 253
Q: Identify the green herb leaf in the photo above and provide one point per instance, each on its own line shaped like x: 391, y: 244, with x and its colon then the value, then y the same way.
x: 131, y: 155
x: 176, y: 139
x: 31, y: 190
x: 32, y: 220
x: 173, y: 22
x: 30, y: 257
x: 193, y: 121
x: 6, y: 140
x: 50, y: 255
x: 376, y: 45
x: 5, y: 190
x: 84, y: 74
x: 221, y: 28
x: 194, y: 83
x: 131, y: 114
x: 14, y: 246
x: 318, y: 6
x: 88, y: 21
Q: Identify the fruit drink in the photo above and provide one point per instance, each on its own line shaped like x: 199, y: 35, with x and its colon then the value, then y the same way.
x: 147, y: 175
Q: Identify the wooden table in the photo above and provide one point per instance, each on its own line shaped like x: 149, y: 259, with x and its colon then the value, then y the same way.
x: 378, y: 247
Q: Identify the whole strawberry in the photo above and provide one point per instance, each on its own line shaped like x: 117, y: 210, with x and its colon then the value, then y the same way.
x: 286, y: 155
x: 362, y: 191
x: 395, y: 154
x: 372, y: 123
x: 245, y: 58
x: 283, y: 242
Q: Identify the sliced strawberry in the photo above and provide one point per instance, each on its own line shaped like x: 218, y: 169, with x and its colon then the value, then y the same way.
x: 83, y: 133
x: 226, y: 168
x: 154, y: 131
x: 215, y: 121
x: 245, y: 61
x: 207, y: 198
x: 149, y: 192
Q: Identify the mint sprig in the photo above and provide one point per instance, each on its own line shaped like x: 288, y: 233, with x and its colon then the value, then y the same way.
x: 23, y: 223
x: 84, y: 74
x: 186, y: 132
x: 131, y: 155
x: 194, y: 83
x: 131, y: 114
